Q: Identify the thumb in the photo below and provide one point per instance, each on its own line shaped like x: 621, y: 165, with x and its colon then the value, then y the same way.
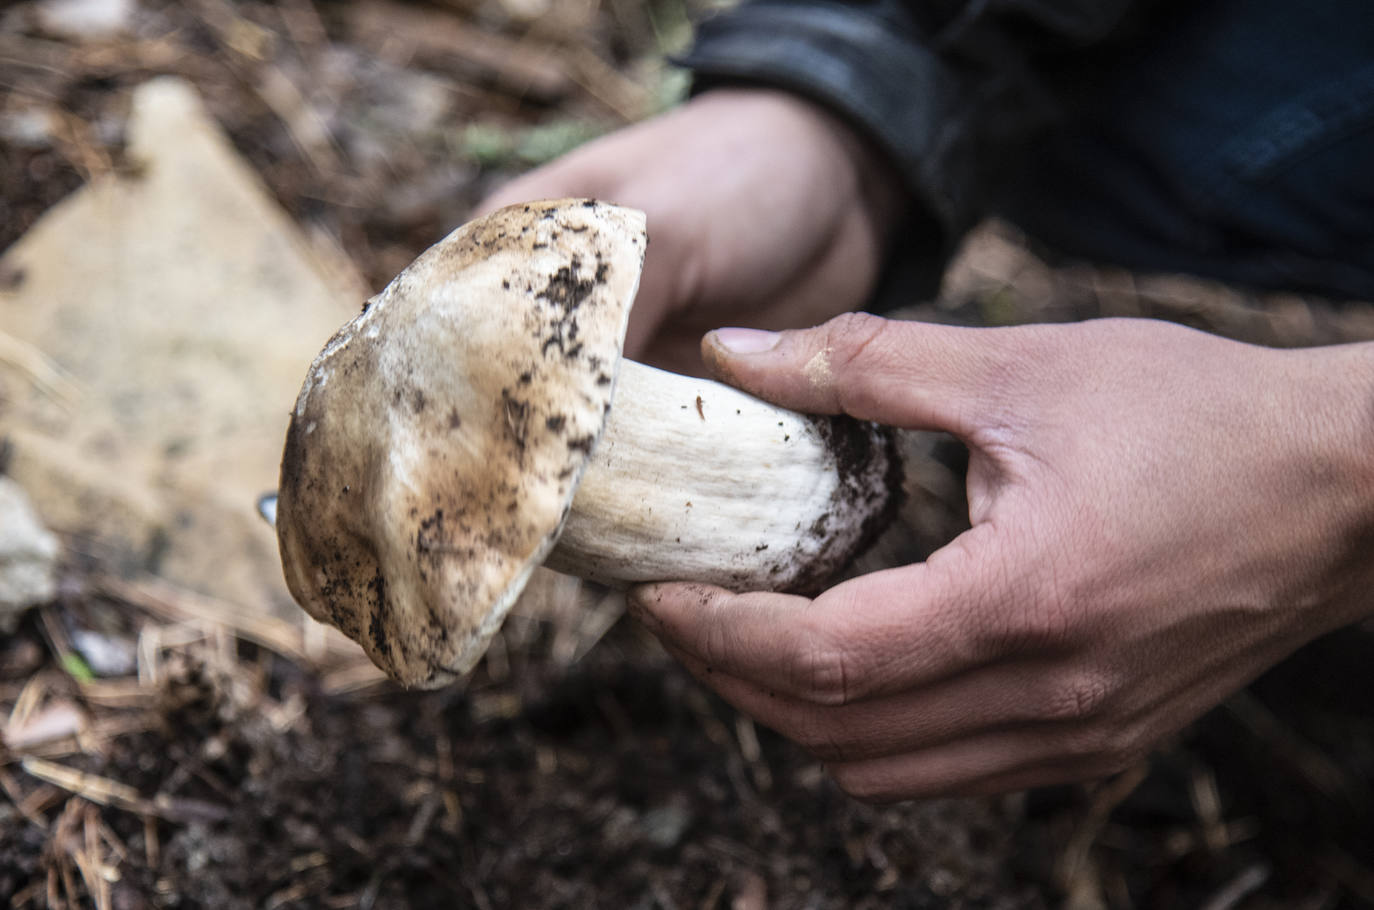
x: 905, y: 374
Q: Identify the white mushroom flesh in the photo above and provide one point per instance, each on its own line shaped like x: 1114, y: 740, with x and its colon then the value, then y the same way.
x: 695, y: 480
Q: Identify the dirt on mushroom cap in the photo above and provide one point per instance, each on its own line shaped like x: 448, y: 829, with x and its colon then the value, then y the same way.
x: 439, y: 436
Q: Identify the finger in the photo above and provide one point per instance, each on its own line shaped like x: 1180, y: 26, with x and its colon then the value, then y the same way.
x: 724, y: 632
x: 1001, y: 697
x: 998, y: 762
x: 875, y: 635
x: 907, y: 374
x: 1043, y: 751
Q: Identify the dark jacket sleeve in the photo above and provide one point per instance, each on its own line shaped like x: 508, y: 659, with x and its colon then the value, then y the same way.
x: 941, y: 86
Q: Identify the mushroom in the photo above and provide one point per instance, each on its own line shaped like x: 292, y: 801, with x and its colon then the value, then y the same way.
x: 477, y: 420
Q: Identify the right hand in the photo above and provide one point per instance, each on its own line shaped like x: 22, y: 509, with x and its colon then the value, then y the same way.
x: 1158, y: 516
x: 764, y: 210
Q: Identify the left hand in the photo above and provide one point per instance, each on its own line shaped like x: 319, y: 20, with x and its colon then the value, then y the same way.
x: 1158, y: 515
x: 764, y: 209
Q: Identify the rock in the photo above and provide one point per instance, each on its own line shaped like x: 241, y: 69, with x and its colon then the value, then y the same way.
x: 159, y: 324
x: 28, y: 557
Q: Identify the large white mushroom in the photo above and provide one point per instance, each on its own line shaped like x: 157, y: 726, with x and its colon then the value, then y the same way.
x: 477, y: 420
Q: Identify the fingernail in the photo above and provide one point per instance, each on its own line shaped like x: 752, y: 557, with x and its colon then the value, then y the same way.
x: 746, y: 341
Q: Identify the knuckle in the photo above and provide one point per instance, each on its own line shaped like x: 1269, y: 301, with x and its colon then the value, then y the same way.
x: 1084, y: 696
x: 824, y: 674
x: 847, y: 338
x: 713, y: 644
x: 850, y: 333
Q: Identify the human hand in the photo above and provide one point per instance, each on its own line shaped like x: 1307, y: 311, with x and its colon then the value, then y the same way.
x: 1157, y: 516
x: 763, y: 210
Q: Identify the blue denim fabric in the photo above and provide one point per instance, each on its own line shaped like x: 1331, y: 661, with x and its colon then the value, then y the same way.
x: 1234, y: 140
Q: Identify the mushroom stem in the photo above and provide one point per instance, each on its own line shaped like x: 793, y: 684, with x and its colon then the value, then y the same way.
x: 696, y: 480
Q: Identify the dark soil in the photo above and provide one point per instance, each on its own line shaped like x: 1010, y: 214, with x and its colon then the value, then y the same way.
x: 617, y: 781
x: 612, y: 782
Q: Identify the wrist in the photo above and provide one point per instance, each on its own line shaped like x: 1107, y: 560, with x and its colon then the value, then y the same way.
x: 877, y: 181
x: 861, y: 166
x: 1341, y: 421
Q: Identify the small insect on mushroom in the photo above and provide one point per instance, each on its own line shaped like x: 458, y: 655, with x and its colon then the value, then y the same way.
x: 476, y: 420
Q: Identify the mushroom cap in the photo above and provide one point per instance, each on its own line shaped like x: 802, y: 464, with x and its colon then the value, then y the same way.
x: 439, y: 437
